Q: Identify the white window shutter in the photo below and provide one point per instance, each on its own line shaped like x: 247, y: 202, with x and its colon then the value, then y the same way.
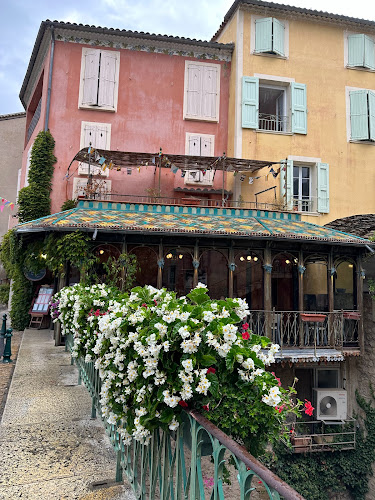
x: 98, y: 135
x: 195, y: 145
x: 209, y: 92
x: 91, y: 77
x: 250, y: 102
x: 107, y: 79
x: 278, y: 36
x: 206, y: 146
x: 369, y: 57
x: 194, y: 90
x: 323, y: 188
x: 263, y: 35
x: 299, y: 108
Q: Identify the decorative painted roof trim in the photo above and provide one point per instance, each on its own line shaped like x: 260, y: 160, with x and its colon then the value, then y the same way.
x: 259, y: 6
x: 123, y: 39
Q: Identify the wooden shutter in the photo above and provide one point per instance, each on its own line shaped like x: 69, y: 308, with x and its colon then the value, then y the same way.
x: 194, y: 90
x: 263, y: 35
x: 369, y: 52
x: 210, y: 92
x: 91, y: 77
x: 278, y: 37
x: 107, y: 79
x: 98, y: 135
x: 323, y: 188
x: 299, y: 108
x: 371, y: 114
x: 194, y: 145
x: 359, y: 129
x: 286, y: 183
x: 356, y: 50
x: 250, y: 102
x: 206, y: 146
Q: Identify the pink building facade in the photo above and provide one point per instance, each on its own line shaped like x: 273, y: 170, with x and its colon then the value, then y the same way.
x: 126, y: 91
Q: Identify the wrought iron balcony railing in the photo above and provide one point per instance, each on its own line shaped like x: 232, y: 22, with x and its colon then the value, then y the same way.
x: 314, y: 330
x: 274, y: 123
x: 188, y: 463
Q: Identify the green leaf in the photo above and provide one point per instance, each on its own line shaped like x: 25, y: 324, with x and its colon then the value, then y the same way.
x: 214, y: 387
x: 205, y: 359
x: 166, y: 415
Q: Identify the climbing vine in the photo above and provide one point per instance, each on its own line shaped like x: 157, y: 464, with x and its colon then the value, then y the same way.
x: 34, y: 200
x: 317, y: 475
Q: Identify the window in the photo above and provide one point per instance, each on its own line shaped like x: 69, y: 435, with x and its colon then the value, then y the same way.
x: 199, y: 145
x: 304, y: 185
x: 97, y: 135
x: 99, y: 189
x: 28, y: 160
x: 271, y: 107
x: 269, y: 36
x: 362, y: 115
x: 361, y: 52
x: 202, y: 91
x: 99, y: 79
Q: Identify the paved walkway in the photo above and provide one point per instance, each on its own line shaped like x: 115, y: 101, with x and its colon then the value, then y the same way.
x: 50, y: 449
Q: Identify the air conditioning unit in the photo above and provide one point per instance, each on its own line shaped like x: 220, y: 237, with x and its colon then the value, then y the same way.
x: 331, y: 404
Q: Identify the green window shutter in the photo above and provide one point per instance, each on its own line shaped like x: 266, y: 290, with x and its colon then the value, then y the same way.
x: 356, y: 50
x: 359, y: 115
x: 278, y: 37
x: 323, y: 188
x: 286, y: 183
x: 263, y: 35
x: 250, y: 102
x: 371, y: 114
x: 369, y: 56
x: 299, y: 108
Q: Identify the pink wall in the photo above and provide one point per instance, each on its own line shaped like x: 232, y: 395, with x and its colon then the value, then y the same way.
x: 149, y: 116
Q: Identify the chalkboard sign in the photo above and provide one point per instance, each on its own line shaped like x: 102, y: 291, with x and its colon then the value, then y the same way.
x: 41, y: 302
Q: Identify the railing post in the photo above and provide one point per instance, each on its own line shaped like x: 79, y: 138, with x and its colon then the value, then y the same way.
x: 267, y: 266
x: 118, y: 467
x: 8, y: 346
x: 2, y: 334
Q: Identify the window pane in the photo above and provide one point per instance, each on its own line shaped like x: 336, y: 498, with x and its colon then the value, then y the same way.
x: 305, y: 188
x: 295, y: 188
x: 305, y: 172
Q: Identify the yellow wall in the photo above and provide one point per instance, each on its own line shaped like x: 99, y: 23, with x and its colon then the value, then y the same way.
x: 316, y: 58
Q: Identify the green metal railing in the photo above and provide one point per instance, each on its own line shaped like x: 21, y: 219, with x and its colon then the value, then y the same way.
x: 196, y: 462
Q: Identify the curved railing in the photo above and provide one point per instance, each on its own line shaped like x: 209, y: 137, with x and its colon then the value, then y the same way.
x: 196, y: 462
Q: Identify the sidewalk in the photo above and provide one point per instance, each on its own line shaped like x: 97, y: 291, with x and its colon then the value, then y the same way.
x: 50, y: 449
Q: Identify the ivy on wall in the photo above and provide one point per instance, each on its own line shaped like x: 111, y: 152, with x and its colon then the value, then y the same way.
x: 317, y: 475
x: 34, y: 200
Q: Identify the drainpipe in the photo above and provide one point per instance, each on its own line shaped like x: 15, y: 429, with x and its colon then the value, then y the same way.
x: 50, y: 78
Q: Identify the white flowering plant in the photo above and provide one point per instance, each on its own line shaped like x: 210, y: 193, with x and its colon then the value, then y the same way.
x: 158, y: 353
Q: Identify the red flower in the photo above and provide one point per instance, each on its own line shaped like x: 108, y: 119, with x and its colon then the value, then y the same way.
x: 308, y: 408
x: 144, y: 305
x: 245, y: 335
x: 155, y: 302
x: 97, y: 312
x: 279, y: 408
x: 211, y: 370
x: 245, y: 326
x: 206, y: 407
x: 183, y: 403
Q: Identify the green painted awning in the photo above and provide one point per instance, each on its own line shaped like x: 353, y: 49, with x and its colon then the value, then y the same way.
x: 187, y: 220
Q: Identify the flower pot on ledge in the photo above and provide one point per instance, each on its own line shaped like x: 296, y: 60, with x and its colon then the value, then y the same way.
x: 301, y: 444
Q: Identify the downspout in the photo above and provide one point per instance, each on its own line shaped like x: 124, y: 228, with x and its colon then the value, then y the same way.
x: 50, y: 78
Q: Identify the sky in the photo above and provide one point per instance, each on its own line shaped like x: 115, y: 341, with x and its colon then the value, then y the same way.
x: 189, y: 18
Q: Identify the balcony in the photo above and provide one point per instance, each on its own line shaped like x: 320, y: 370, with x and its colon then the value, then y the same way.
x: 317, y: 333
x: 273, y: 123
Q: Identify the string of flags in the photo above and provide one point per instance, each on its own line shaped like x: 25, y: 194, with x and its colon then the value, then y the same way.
x: 272, y: 172
x: 6, y: 203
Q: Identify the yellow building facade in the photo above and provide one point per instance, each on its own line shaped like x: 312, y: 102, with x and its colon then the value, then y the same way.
x: 303, y: 91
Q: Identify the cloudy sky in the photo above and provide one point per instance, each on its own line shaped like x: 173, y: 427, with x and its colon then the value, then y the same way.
x: 190, y: 18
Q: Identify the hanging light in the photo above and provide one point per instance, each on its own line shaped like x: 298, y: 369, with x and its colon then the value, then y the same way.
x: 180, y: 256
x: 255, y: 259
x: 101, y: 251
x: 242, y: 258
x: 169, y: 255
x: 350, y: 265
x: 248, y: 257
x: 287, y: 261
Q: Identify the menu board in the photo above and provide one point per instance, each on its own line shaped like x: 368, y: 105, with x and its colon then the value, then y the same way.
x: 41, y: 303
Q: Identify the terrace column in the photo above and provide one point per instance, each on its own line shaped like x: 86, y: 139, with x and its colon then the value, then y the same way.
x: 195, y: 264
x: 360, y: 276
x: 231, y: 268
x: 301, y: 270
x: 267, y: 266
x: 160, y: 266
x: 331, y: 271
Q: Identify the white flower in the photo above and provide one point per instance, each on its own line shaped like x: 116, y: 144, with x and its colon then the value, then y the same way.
x: 201, y: 285
x: 208, y: 316
x: 188, y: 365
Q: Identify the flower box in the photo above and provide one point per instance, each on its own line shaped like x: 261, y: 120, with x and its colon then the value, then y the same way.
x: 316, y: 318
x: 352, y: 315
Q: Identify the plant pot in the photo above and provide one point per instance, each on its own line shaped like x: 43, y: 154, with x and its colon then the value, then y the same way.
x: 316, y: 318
x: 302, y: 444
